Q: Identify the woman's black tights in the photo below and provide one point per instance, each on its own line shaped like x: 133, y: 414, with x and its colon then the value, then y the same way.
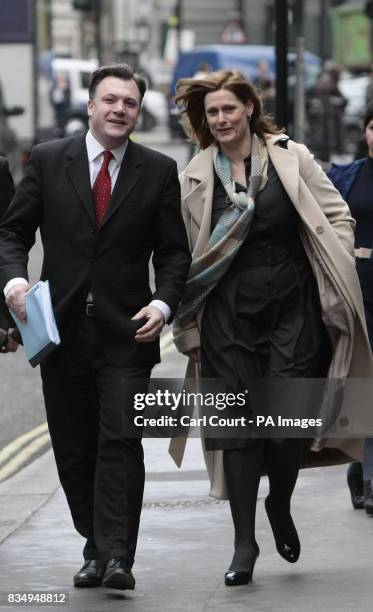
x: 282, y: 462
x: 243, y: 468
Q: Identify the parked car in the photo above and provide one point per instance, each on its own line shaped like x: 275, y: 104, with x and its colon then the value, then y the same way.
x: 77, y: 73
x: 241, y: 57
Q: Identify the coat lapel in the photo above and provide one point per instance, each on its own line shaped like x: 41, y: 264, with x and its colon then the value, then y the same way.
x: 200, y: 170
x: 286, y: 165
x: 78, y: 171
x: 200, y: 173
x: 129, y: 175
x: 200, y: 177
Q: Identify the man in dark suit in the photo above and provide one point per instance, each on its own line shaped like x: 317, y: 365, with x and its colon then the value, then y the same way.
x: 104, y: 206
x: 7, y: 191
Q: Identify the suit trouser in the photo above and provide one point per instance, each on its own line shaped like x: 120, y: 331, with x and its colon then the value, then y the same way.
x: 97, y: 448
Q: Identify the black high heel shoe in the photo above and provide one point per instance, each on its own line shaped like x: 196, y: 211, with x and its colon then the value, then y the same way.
x: 236, y: 578
x: 287, y: 544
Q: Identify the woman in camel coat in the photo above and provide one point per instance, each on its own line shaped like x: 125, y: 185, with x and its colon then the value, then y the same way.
x: 217, y: 108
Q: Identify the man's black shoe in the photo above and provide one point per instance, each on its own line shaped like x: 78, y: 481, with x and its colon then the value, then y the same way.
x: 356, y: 485
x: 90, y: 575
x: 118, y: 575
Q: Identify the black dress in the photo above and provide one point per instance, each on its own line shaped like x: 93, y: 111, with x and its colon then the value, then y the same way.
x: 263, y: 319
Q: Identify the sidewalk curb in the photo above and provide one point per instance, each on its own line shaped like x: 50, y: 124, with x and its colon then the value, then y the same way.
x: 25, y: 492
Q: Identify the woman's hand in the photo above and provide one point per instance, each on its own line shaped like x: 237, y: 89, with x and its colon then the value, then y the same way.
x: 194, y: 355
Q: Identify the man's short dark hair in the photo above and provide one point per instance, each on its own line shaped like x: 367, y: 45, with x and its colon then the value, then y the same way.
x: 120, y: 71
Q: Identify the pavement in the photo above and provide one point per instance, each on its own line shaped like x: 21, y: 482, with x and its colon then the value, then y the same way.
x: 185, y: 544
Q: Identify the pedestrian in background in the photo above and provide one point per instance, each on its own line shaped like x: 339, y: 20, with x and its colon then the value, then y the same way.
x: 61, y: 101
x: 104, y: 206
x: 7, y: 191
x: 325, y: 109
x: 355, y: 183
x: 272, y: 246
x: 263, y: 81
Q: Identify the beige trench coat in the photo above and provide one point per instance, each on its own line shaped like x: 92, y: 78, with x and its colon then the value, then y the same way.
x: 326, y: 230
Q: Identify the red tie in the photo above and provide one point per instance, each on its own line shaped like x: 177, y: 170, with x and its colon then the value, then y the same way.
x: 102, y: 189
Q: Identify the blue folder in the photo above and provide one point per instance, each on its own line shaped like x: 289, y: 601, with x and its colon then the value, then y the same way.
x: 39, y: 334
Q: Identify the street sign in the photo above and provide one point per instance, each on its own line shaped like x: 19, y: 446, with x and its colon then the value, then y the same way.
x: 233, y: 34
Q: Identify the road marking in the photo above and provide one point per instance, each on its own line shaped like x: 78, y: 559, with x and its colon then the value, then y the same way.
x: 16, y: 444
x: 20, y: 458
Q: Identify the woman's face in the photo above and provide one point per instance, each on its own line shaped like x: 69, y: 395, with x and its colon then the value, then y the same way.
x: 369, y: 137
x: 227, y: 117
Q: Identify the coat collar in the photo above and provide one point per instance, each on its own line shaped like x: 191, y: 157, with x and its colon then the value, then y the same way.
x: 201, y: 169
x: 286, y: 164
x: 78, y: 170
x: 343, y: 176
x: 196, y: 169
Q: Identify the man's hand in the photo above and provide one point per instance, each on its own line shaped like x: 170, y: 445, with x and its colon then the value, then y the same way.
x: 194, y: 355
x: 153, y: 327
x: 16, y: 301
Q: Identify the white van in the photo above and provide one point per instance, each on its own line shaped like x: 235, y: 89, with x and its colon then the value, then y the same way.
x: 77, y: 73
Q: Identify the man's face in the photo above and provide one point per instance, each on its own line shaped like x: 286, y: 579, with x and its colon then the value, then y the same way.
x: 113, y: 111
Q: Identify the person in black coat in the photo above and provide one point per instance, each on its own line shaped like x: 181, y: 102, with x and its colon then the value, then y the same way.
x: 7, y: 185
x: 104, y: 205
x: 7, y: 192
x: 355, y: 183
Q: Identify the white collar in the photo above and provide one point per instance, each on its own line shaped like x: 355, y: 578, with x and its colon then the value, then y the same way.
x: 94, y: 149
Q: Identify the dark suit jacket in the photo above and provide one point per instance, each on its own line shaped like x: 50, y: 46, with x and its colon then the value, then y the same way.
x: 143, y: 218
x: 7, y: 192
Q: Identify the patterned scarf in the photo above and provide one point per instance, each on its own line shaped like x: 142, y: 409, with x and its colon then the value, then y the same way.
x: 228, y: 234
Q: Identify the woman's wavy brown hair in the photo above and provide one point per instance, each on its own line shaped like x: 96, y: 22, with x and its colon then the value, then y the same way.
x: 190, y: 93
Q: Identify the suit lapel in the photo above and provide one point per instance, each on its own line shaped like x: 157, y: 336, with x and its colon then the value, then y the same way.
x: 78, y: 171
x: 129, y: 174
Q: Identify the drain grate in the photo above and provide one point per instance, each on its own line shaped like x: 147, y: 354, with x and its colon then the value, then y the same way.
x: 184, y: 503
